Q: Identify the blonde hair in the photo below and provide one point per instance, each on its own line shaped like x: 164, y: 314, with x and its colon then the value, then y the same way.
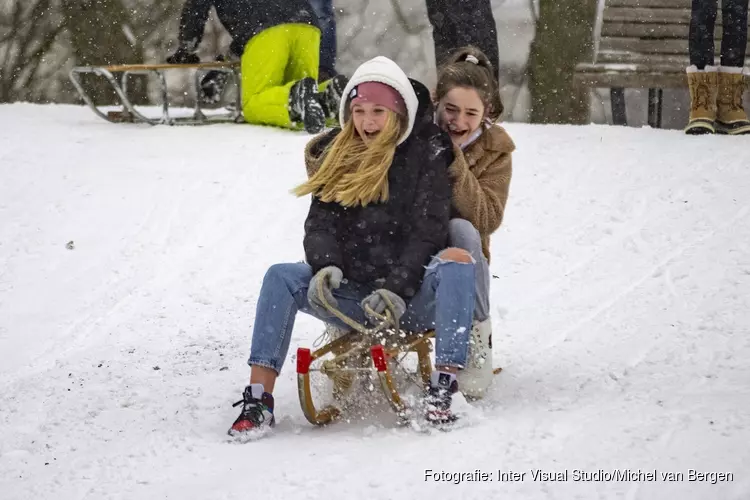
x: 353, y: 173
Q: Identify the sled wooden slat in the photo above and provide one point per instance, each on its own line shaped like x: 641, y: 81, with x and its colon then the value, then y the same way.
x: 155, y: 67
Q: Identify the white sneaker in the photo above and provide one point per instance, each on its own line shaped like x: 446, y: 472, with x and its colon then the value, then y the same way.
x: 475, y: 379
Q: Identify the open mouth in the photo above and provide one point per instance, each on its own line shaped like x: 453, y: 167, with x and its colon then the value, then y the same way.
x: 455, y: 133
x: 371, y: 135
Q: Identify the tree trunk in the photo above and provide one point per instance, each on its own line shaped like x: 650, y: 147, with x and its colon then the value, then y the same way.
x: 28, y: 35
x: 564, y: 37
x: 99, y: 32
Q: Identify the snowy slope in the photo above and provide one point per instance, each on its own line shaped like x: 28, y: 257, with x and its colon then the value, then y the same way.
x: 620, y: 310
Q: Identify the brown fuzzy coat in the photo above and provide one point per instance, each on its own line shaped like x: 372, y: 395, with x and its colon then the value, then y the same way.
x: 481, y: 181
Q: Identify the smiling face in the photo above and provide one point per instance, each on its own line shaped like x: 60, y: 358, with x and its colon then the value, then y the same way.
x: 369, y: 119
x: 460, y: 113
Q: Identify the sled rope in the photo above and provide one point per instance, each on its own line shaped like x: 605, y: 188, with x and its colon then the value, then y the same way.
x: 386, y: 319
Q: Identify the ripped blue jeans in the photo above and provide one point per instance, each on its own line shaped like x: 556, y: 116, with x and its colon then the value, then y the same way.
x: 445, y: 302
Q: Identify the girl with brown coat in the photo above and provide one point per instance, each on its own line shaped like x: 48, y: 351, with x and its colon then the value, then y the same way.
x: 468, y: 105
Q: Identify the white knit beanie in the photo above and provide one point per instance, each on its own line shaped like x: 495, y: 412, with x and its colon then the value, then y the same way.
x: 383, y: 70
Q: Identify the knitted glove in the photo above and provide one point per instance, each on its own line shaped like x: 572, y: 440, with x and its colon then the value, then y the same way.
x: 330, y: 277
x: 381, y: 300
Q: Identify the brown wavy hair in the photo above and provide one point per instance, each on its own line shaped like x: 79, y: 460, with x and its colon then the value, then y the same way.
x: 458, y: 72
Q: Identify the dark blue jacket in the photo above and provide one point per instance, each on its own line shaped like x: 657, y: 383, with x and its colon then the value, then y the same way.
x: 243, y: 19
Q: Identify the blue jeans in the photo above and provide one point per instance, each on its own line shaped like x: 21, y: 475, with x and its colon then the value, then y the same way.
x: 324, y: 10
x: 463, y: 234
x: 445, y: 302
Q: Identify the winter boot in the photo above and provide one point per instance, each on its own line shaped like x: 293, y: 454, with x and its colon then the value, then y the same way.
x: 257, y: 411
x: 704, y: 88
x: 439, y: 397
x: 330, y: 97
x: 304, y: 106
x: 730, y: 116
x: 476, y: 378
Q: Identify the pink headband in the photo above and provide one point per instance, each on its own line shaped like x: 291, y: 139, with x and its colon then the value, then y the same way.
x: 378, y: 93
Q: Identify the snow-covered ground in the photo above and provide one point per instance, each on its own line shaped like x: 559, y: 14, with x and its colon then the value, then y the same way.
x: 621, y: 312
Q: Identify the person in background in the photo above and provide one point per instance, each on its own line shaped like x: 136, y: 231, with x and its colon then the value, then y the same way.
x: 716, y: 91
x: 278, y: 43
x: 459, y: 24
x: 327, y: 20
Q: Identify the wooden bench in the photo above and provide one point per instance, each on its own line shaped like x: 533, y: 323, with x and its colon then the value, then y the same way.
x: 641, y: 44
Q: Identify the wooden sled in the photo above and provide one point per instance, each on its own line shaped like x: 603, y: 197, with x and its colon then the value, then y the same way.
x: 358, y: 347
x: 129, y: 114
x: 371, y: 352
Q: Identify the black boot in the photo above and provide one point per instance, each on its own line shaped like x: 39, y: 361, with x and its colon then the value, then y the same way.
x: 304, y: 106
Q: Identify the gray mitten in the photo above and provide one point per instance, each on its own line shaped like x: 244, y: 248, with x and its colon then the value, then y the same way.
x: 330, y: 277
x: 381, y: 300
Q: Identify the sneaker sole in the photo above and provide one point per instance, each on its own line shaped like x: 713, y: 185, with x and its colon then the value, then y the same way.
x: 249, y: 435
x: 739, y: 128
x: 700, y: 127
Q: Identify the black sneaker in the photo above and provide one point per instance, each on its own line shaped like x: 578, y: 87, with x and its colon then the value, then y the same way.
x: 439, y: 398
x: 257, y: 411
x: 304, y: 106
x: 330, y: 98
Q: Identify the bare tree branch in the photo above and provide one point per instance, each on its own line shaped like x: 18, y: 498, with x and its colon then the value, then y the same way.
x: 22, y: 26
x: 33, y: 28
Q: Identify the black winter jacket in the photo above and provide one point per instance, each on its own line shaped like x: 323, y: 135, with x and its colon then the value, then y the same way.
x: 396, y: 239
x: 243, y: 19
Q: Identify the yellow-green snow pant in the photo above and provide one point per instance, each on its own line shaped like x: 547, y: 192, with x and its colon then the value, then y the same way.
x: 273, y: 61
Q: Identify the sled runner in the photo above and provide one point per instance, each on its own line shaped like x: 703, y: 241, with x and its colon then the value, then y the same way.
x: 365, y: 352
x: 130, y: 114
